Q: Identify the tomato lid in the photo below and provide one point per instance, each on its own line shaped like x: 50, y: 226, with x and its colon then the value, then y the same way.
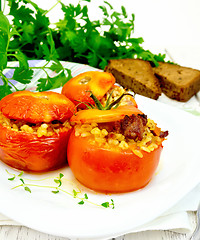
x: 36, y: 107
x: 78, y: 88
x: 101, y: 116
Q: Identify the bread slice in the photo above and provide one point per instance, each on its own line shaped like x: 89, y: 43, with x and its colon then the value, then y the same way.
x: 177, y: 82
x: 135, y: 74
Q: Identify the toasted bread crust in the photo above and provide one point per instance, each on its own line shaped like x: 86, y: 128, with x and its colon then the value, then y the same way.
x: 177, y: 82
x: 135, y: 74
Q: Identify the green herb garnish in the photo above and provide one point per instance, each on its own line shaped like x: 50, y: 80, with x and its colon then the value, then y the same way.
x: 27, y: 184
x: 74, y: 38
x: 109, y: 105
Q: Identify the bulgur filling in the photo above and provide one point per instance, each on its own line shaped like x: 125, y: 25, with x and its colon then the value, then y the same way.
x: 116, y: 92
x: 41, y: 129
x: 105, y: 137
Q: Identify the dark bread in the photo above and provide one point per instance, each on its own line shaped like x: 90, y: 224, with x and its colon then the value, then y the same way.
x: 177, y: 82
x: 135, y: 74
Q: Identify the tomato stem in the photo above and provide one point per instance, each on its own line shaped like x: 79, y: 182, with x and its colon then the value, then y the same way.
x: 108, y: 105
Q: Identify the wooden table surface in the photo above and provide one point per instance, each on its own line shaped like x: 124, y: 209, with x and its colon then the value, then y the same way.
x: 24, y: 233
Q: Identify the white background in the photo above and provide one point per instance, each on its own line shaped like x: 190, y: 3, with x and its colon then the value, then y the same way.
x: 163, y: 24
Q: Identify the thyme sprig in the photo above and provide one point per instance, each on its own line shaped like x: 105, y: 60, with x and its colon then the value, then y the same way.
x: 77, y: 194
x: 108, y: 105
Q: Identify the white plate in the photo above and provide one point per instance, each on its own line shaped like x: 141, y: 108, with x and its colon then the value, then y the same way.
x: 59, y: 214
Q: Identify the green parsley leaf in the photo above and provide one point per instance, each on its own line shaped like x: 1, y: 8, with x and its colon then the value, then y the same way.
x: 4, y: 40
x: 44, y: 84
x: 52, y: 55
x: 28, y: 31
x: 56, y: 67
x: 5, y: 89
x: 52, y: 82
x: 23, y: 75
x: 21, y: 57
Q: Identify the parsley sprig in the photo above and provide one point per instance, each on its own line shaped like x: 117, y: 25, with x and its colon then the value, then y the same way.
x: 27, y: 184
x: 75, y: 38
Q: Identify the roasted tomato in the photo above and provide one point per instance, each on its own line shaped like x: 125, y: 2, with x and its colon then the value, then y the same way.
x: 96, y: 115
x: 36, y: 107
x: 79, y: 88
x: 120, y: 154
x: 115, y: 92
x: 28, y: 152
x: 34, y: 130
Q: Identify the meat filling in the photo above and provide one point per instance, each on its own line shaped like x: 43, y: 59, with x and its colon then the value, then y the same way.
x: 131, y: 127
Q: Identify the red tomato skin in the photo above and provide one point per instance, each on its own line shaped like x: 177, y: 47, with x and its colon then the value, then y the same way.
x: 110, y: 171
x: 77, y: 92
x: 91, y: 115
x: 36, y: 107
x: 28, y: 152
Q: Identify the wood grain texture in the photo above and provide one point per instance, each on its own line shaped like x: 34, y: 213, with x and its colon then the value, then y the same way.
x: 24, y: 233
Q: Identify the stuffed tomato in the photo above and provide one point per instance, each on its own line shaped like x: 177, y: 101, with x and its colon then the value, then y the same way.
x: 79, y: 88
x: 100, y: 84
x: 34, y: 130
x: 117, y: 150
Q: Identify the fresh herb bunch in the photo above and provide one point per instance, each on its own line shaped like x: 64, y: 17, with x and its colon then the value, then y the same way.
x: 14, y: 39
x: 74, y: 38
